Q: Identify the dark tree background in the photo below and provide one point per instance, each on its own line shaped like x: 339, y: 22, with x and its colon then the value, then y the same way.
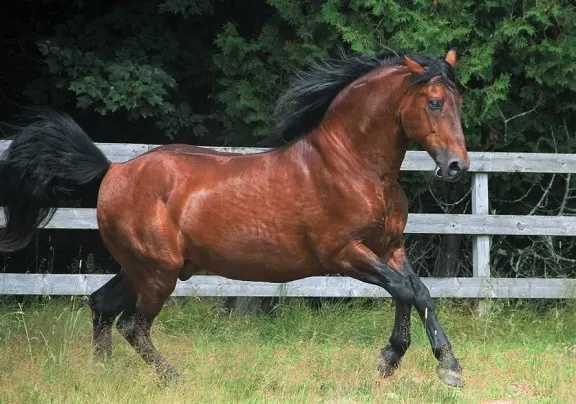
x: 208, y: 72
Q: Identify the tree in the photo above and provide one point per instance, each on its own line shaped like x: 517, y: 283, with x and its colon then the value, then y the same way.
x: 138, y: 60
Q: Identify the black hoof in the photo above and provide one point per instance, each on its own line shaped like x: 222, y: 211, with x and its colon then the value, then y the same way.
x: 450, y: 377
x: 388, y: 361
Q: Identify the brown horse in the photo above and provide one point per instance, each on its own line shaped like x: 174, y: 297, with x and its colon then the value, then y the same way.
x: 328, y: 202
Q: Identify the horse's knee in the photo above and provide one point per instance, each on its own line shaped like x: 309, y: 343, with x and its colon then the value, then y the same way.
x: 401, y: 289
x: 422, y: 297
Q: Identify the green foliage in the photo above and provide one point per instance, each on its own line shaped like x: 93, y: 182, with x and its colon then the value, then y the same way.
x: 139, y: 65
x: 253, y: 72
x: 107, y: 86
x: 186, y: 8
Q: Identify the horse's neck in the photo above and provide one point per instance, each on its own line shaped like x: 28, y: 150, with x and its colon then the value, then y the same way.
x: 362, y: 127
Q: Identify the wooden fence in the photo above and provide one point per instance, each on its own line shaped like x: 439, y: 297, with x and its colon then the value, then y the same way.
x: 479, y: 223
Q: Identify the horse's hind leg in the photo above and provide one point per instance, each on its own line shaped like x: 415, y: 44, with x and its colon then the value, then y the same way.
x: 392, y: 354
x: 134, y: 324
x: 106, y: 303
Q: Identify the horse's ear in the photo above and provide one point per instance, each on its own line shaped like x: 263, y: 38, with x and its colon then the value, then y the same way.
x: 451, y: 57
x: 414, y: 67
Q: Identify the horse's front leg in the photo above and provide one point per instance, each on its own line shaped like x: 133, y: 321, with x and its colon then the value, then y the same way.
x: 449, y: 369
x: 398, y: 278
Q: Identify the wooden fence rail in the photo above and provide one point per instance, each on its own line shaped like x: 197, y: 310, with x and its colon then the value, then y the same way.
x: 480, y: 224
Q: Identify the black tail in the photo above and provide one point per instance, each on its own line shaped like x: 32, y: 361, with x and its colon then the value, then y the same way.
x: 48, y: 159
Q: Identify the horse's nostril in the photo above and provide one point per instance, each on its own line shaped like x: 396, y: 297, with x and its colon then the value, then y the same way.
x: 454, y: 167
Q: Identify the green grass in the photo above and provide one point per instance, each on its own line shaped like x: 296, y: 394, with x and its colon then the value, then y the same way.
x: 518, y: 353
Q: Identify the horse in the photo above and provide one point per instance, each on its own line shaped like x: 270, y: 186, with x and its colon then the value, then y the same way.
x: 326, y: 202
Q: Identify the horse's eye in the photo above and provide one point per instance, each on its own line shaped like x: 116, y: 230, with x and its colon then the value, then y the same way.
x: 435, y: 105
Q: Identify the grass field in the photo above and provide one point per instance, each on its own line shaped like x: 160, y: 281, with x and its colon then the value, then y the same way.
x: 518, y: 353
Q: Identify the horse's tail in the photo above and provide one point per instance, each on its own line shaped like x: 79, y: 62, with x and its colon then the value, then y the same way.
x: 48, y: 159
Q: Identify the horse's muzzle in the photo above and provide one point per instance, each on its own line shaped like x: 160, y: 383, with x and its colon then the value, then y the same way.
x: 452, y: 170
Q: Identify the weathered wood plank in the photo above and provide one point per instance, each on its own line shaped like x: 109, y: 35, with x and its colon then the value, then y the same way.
x: 414, y: 161
x: 242, y: 150
x: 44, y: 284
x: 71, y: 219
x: 347, y: 287
x: 418, y: 223
x: 500, y: 162
x: 68, y: 218
x: 480, y: 244
x: 513, y: 225
x: 120, y: 152
x: 561, y: 163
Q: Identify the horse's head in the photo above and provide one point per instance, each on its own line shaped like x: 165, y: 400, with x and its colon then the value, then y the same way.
x: 430, y: 115
x: 368, y: 106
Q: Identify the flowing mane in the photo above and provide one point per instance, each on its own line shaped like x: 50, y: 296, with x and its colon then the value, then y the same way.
x: 304, y: 103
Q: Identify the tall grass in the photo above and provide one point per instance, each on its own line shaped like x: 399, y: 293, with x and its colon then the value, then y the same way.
x: 518, y: 352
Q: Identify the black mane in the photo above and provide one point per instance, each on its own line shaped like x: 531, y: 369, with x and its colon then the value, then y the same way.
x: 306, y: 100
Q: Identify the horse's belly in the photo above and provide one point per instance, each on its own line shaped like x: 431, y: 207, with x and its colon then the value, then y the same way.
x: 258, y: 261
x: 264, y: 273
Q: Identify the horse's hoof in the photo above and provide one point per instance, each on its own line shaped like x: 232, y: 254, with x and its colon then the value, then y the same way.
x: 388, y: 362
x: 450, y: 377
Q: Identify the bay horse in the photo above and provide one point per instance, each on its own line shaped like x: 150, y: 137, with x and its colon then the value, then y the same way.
x: 327, y: 202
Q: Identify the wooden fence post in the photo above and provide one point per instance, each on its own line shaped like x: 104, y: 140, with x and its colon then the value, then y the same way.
x: 480, y: 243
